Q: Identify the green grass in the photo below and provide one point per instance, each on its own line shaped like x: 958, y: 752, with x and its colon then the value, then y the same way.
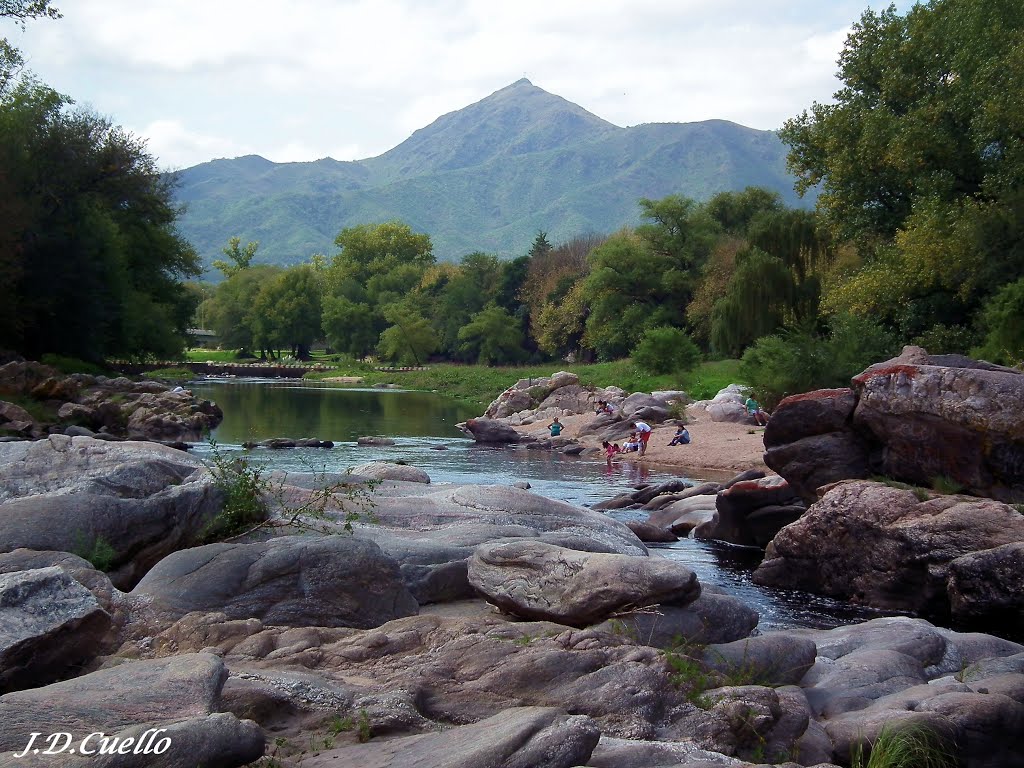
x: 170, y: 374
x: 480, y: 384
x: 37, y: 410
x: 200, y: 355
x: 904, y: 746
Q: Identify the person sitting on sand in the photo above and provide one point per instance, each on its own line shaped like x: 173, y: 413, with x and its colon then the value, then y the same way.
x: 556, y: 427
x: 610, y: 449
x: 632, y: 443
x: 681, y: 437
x: 754, y: 410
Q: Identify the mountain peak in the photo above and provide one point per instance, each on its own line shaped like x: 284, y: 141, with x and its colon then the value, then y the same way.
x: 517, y: 119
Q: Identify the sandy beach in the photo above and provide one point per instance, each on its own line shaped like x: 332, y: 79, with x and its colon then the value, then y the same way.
x: 717, y: 449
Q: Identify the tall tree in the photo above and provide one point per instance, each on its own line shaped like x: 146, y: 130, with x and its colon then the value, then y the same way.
x: 92, y: 261
x: 920, y: 160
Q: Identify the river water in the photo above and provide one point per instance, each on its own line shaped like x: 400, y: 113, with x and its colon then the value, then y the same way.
x: 423, y: 426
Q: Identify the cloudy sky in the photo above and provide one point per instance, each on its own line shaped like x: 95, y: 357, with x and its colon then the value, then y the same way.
x: 349, y: 79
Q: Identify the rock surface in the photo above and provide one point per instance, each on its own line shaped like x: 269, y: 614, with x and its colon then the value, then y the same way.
x: 886, y: 547
x: 129, y: 503
x: 534, y: 737
x: 539, y: 581
x: 384, y: 470
x: 180, y: 694
x: 914, y: 418
x: 145, y: 410
x: 48, y: 623
x: 295, y: 581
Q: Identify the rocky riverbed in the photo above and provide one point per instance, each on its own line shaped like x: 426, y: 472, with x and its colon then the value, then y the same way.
x: 459, y: 625
x: 394, y: 621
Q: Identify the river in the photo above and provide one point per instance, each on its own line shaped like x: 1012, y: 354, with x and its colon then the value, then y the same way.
x: 423, y: 426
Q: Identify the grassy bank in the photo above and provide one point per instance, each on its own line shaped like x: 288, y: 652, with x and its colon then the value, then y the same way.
x: 479, y: 384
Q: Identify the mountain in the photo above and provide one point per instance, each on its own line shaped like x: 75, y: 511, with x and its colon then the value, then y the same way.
x: 483, y: 178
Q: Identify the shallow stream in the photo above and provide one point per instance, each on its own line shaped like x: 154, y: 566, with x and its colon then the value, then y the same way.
x: 423, y: 426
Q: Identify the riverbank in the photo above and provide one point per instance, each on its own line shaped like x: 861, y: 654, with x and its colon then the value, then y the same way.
x: 715, y: 446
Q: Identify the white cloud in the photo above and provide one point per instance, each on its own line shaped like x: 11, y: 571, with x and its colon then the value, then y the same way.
x: 331, y: 77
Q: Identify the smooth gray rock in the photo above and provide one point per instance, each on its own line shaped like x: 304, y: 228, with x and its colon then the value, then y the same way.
x: 328, y: 581
x: 48, y: 623
x: 179, y: 694
x: 539, y: 581
x: 526, y: 737
x: 385, y: 470
x: 711, y: 618
x: 142, y: 500
x: 490, y: 431
x: 77, y: 568
x: 774, y: 658
x: 987, y: 587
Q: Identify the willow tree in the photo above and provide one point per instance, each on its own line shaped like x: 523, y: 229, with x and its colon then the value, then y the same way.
x: 777, y: 280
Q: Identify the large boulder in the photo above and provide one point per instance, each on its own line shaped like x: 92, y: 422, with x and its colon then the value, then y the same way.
x: 888, y: 547
x: 711, y: 618
x: 538, y: 737
x: 987, y: 587
x: 432, y: 531
x: 326, y: 581
x: 914, y: 418
x: 177, y: 697
x: 527, y: 394
x: 726, y: 406
x: 48, y: 623
x: 899, y: 671
x: 751, y: 512
x: 811, y: 440
x: 386, y: 470
x: 490, y: 431
x: 127, y: 504
x: 540, y: 581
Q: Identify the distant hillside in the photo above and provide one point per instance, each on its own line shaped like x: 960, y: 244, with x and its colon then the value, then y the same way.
x: 486, y: 177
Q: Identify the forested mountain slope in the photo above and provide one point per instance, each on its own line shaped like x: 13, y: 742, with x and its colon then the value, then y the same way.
x: 486, y: 177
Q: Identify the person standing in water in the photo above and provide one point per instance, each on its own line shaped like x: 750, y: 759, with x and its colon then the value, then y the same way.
x: 555, y: 427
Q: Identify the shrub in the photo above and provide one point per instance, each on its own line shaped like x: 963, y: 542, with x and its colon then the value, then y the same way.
x: 69, y: 365
x: 800, y: 360
x: 666, y: 350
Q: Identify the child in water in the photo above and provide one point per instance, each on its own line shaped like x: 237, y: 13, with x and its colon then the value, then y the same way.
x: 610, y: 449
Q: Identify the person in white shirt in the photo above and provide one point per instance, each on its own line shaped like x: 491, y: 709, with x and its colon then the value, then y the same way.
x: 644, y: 431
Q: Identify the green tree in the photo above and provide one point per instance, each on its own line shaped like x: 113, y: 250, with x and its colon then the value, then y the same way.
x: 232, y: 311
x: 286, y: 312
x: 920, y: 160
x: 377, y: 265
x: 492, y: 337
x: 409, y: 339
x: 239, y: 257
x: 23, y: 10
x: 666, y: 350
x: 1003, y: 320
x: 89, y: 254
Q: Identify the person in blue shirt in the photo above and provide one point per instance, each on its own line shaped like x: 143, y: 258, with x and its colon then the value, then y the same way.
x: 681, y: 437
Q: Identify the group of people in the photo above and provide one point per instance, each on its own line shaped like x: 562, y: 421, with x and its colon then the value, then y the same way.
x: 641, y: 434
x: 638, y: 440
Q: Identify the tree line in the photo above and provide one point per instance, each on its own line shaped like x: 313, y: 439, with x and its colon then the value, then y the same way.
x: 917, y: 237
